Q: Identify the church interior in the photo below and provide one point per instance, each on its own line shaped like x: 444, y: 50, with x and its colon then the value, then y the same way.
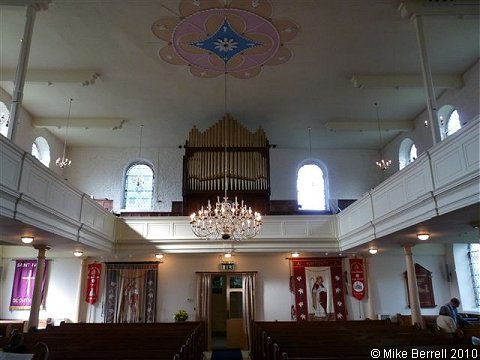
x: 233, y: 171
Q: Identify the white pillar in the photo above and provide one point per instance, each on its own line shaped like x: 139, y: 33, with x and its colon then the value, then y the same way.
x: 37, y: 288
x: 427, y: 80
x: 82, y: 305
x: 17, y: 96
x: 369, y: 311
x: 412, y: 287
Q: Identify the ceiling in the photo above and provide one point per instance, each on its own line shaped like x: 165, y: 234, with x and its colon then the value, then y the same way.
x: 104, y: 55
x: 76, y: 41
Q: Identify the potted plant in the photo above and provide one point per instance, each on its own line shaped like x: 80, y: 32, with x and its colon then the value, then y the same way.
x: 181, y: 316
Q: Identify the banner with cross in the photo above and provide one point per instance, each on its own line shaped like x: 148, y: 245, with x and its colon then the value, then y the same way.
x: 23, y: 284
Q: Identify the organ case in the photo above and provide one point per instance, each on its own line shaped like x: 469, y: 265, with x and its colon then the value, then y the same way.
x: 226, y: 156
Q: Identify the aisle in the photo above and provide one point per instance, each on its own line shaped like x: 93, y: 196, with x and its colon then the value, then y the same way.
x: 227, y: 354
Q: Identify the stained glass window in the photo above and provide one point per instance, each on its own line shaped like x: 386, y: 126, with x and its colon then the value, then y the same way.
x: 412, y: 154
x: 35, y: 151
x: 407, y: 153
x: 138, y: 187
x: 474, y: 255
x: 449, y: 120
x: 453, y: 123
x: 4, y: 119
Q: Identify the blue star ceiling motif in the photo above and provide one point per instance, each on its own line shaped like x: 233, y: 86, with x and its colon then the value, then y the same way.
x: 226, y: 43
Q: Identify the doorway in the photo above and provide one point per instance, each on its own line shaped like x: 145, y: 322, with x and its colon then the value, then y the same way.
x: 226, y: 316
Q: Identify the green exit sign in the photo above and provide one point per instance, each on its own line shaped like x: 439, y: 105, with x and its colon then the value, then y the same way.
x: 227, y: 266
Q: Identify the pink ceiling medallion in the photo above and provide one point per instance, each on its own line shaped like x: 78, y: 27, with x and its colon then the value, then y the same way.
x: 214, y: 37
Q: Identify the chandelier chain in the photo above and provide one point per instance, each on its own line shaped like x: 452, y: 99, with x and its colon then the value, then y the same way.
x: 310, y: 142
x: 63, y: 161
x: 227, y: 220
x: 68, y: 124
x: 225, y: 92
x: 140, y: 143
x: 382, y: 164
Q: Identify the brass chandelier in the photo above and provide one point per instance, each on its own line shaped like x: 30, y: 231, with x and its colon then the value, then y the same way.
x: 382, y: 164
x: 226, y: 220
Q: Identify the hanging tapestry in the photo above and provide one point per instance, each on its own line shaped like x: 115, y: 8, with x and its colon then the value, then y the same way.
x: 23, y: 284
x: 93, y: 283
x: 357, y: 275
x: 131, y: 292
x: 319, y: 291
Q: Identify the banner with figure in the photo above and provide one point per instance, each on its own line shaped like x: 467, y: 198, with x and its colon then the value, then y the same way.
x: 357, y: 274
x: 131, y: 292
x: 319, y: 289
x: 93, y: 282
x: 24, y: 282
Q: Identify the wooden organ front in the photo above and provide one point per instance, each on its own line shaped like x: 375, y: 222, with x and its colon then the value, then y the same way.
x: 226, y: 156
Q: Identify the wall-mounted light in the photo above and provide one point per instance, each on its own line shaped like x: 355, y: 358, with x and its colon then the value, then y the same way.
x: 78, y: 253
x: 159, y: 256
x: 373, y: 251
x: 227, y: 255
x: 295, y: 254
x: 27, y: 239
x: 423, y: 236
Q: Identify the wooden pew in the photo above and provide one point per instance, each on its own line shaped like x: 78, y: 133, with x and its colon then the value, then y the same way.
x: 163, y: 341
x: 337, y: 340
x: 428, y: 321
x: 7, y: 326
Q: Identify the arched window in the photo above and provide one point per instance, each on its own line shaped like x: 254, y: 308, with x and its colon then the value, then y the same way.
x: 4, y: 119
x: 138, y: 187
x: 407, y: 153
x: 35, y: 151
x: 412, y: 154
x: 474, y: 256
x: 311, y: 187
x: 453, y: 123
x: 449, y: 121
x: 41, y: 150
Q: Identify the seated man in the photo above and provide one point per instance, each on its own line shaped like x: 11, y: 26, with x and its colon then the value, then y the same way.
x: 451, y: 307
x: 15, y: 343
x: 446, y: 324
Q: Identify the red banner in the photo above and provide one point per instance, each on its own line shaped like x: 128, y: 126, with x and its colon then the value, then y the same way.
x: 357, y: 275
x: 308, y: 274
x: 93, y: 283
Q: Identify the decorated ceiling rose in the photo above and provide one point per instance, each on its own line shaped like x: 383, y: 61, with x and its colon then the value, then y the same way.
x: 215, y: 37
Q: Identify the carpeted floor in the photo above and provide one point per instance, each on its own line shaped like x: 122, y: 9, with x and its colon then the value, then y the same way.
x: 226, y: 355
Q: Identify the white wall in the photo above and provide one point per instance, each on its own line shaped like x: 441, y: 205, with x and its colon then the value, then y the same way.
x: 340, y: 165
x: 26, y: 134
x: 105, y: 178
x: 100, y: 171
x: 388, y: 284
x: 63, y: 278
x: 177, y: 283
x: 467, y: 102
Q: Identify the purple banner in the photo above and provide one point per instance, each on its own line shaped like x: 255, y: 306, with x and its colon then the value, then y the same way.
x: 23, y: 284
